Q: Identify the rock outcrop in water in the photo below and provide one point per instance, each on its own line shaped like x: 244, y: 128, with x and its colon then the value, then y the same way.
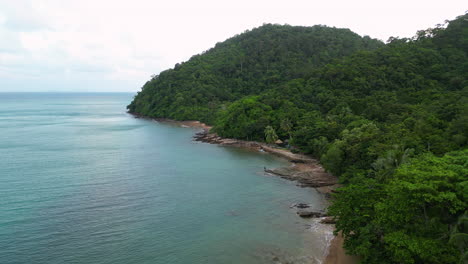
x: 310, y: 213
x: 315, y: 176
x: 300, y: 205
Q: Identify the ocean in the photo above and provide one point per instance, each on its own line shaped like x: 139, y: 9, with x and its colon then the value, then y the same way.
x: 82, y: 181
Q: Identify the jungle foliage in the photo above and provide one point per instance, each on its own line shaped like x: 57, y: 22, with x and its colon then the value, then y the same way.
x: 247, y: 64
x: 391, y: 120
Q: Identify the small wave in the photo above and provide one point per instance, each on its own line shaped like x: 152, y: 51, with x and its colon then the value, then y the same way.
x: 326, y: 232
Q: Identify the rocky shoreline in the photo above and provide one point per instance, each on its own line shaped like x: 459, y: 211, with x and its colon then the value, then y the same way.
x: 306, y: 171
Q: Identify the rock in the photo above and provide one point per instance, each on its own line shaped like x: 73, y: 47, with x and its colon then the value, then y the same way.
x: 305, y: 213
x: 328, y: 220
x: 285, y: 172
x: 299, y: 205
x: 312, y: 178
x: 302, y: 205
x: 309, y: 213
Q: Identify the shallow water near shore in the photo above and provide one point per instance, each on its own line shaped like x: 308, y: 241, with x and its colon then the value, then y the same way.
x: 81, y: 181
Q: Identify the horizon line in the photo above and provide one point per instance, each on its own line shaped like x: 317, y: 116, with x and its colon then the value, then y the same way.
x: 65, y: 92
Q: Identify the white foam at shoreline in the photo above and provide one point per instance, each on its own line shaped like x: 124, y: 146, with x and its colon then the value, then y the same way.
x: 325, y: 231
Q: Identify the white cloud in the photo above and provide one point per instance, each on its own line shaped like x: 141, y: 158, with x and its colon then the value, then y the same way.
x: 107, y: 42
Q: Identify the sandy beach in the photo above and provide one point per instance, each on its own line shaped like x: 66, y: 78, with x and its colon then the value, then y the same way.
x: 337, y: 254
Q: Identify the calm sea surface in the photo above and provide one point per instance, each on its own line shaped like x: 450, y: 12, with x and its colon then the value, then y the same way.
x: 81, y: 181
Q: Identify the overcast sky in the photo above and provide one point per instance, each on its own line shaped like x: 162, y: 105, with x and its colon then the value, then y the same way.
x: 112, y: 45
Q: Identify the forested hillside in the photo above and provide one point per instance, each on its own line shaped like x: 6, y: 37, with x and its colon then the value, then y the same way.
x: 390, y: 120
x: 246, y: 64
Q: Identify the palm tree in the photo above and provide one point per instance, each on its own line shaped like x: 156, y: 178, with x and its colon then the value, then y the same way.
x: 270, y: 135
x: 394, y: 158
x: 286, y: 126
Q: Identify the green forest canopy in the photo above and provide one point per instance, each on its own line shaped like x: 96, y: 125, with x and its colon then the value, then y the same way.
x: 391, y: 120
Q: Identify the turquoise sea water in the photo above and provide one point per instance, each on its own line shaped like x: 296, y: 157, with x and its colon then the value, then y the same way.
x: 81, y: 181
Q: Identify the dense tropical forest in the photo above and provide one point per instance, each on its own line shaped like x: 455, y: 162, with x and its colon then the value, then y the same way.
x: 390, y: 120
